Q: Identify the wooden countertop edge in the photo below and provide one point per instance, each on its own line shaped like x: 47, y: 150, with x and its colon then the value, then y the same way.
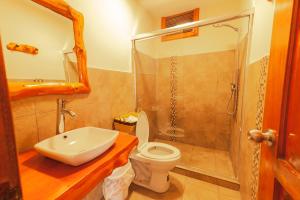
x: 81, y: 188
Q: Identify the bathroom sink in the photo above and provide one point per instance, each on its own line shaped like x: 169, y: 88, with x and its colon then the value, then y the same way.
x: 77, y: 146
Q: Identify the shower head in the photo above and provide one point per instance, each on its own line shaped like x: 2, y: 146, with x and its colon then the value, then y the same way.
x: 226, y: 25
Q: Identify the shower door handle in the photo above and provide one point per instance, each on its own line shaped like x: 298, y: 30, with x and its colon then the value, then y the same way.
x: 259, y: 136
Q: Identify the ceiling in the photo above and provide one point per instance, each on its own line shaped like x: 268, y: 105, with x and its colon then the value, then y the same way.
x: 160, y: 8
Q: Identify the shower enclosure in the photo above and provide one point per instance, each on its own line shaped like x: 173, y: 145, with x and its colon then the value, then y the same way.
x: 191, y: 90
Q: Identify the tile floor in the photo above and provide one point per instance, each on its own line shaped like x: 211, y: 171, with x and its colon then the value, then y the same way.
x: 185, y: 188
x: 204, y: 160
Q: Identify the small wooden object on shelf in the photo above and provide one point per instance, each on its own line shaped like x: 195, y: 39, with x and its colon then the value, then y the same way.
x: 22, y: 48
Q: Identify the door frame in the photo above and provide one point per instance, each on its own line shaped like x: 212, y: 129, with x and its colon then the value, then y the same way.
x: 284, y: 38
x: 10, y: 186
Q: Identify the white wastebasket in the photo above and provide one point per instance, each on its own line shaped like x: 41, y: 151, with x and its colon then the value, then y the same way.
x: 115, y: 186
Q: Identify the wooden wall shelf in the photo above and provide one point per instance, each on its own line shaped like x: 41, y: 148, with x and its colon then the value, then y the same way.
x: 24, y: 48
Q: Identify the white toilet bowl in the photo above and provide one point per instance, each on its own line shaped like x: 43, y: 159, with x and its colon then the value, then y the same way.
x: 152, y: 161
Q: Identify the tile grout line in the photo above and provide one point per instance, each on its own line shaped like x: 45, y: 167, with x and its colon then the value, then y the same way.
x: 36, y: 121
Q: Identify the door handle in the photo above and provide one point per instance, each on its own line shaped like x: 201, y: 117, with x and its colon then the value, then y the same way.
x: 259, y: 136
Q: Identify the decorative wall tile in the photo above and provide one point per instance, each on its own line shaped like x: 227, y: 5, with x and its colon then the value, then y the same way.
x: 259, y: 122
x: 252, y: 118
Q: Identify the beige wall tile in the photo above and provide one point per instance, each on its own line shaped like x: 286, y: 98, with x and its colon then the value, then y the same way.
x: 46, y: 124
x: 201, y: 93
x: 223, y: 131
x: 26, y: 132
x: 145, y: 64
x: 111, y: 95
x: 45, y: 104
x: 152, y: 124
x: 23, y: 107
x: 200, y: 128
x: 146, y: 91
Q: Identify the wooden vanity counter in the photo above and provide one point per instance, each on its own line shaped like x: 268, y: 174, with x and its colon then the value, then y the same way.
x: 43, y: 178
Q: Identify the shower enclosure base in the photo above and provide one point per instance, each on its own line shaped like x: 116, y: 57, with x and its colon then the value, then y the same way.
x: 221, y: 181
x: 206, y: 162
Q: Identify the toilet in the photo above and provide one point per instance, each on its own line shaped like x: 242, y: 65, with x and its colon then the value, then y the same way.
x: 152, y: 161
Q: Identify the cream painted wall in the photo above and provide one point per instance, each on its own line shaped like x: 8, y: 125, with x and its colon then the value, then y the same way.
x: 109, y: 27
x: 110, y: 24
x: 25, y: 22
x: 262, y: 29
x: 210, y: 39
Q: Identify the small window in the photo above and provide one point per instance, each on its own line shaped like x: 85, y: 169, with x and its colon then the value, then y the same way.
x: 182, y: 18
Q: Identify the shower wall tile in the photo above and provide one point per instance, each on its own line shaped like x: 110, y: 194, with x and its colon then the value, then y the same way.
x: 223, y: 123
x: 199, y: 128
x: 163, y: 122
x: 221, y: 105
x: 152, y: 124
x: 203, y: 86
x: 146, y: 88
x: 223, y: 131
x: 146, y: 91
x: 112, y: 95
x: 145, y: 64
x: 222, y: 141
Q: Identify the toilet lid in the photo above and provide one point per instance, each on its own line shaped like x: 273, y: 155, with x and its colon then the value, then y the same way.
x: 142, y: 129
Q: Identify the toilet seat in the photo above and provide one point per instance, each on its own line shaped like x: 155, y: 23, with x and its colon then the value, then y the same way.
x: 153, y: 150
x: 160, y: 151
x: 152, y: 161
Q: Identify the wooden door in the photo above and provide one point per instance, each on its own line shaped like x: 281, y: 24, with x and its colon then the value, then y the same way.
x: 9, y: 178
x: 280, y: 163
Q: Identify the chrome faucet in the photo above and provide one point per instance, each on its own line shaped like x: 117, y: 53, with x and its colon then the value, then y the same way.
x: 61, y: 111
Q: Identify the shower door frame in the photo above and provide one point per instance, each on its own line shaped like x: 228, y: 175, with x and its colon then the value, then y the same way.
x: 201, y: 23
x: 180, y: 28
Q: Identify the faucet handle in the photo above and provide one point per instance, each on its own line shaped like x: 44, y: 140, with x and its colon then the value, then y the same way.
x: 72, y: 114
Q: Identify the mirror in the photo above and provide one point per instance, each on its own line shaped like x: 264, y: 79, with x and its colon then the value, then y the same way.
x: 43, y: 48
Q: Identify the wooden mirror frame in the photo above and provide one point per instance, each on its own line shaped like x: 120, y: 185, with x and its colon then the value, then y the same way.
x: 19, y: 90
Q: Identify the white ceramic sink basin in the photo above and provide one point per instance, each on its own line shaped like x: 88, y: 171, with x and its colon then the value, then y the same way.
x: 77, y: 146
